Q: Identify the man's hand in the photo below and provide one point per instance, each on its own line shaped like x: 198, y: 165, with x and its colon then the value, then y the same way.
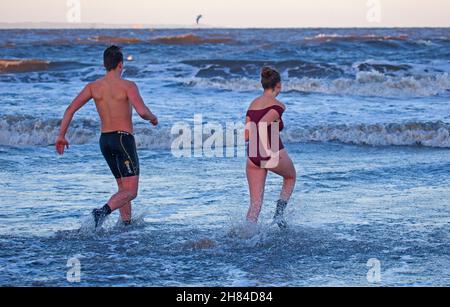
x: 154, y: 121
x: 61, y: 144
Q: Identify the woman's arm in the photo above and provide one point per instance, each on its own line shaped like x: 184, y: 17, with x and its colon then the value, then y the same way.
x: 247, y: 129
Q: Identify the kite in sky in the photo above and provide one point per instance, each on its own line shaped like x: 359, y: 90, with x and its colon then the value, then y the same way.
x: 198, y: 18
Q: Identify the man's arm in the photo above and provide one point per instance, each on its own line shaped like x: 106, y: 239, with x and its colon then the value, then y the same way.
x: 77, y: 104
x: 138, y: 103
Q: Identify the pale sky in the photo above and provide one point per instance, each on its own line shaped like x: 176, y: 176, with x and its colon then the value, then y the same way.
x: 237, y: 13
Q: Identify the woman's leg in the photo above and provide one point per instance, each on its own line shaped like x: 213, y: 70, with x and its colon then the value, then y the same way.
x: 256, y: 177
x: 286, y: 170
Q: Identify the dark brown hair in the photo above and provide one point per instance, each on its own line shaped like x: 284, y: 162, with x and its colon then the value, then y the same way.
x: 112, y: 57
x: 270, y: 78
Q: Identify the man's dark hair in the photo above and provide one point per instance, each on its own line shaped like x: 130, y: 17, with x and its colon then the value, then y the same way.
x: 112, y: 57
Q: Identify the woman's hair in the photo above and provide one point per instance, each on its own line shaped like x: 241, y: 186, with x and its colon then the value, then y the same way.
x: 270, y: 78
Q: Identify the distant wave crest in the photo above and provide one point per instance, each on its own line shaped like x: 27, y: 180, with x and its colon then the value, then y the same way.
x: 182, y: 39
x: 17, y: 66
x: 28, y: 66
x: 191, y: 39
x: 113, y: 40
x: 355, y: 38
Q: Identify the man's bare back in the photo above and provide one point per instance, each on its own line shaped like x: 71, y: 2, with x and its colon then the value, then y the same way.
x: 115, y: 99
x: 112, y: 100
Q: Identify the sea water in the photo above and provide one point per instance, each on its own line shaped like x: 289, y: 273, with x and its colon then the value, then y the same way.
x: 367, y: 126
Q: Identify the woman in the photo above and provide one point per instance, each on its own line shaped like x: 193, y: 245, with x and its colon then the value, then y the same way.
x: 265, y: 149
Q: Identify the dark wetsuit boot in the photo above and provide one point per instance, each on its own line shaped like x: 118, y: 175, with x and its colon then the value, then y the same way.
x: 100, y: 215
x: 126, y: 223
x: 279, y: 214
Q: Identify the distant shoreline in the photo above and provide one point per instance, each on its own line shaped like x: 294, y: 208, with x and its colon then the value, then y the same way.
x: 93, y: 26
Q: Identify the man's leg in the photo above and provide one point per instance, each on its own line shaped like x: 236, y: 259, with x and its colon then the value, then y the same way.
x: 128, y: 191
x: 125, y: 211
x: 119, y: 150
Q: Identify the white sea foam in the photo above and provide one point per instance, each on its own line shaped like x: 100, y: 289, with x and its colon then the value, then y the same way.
x: 25, y: 131
x: 410, y: 134
x: 366, y: 83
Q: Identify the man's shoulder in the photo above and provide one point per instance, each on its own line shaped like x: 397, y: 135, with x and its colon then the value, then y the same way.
x: 95, y: 83
x: 128, y: 82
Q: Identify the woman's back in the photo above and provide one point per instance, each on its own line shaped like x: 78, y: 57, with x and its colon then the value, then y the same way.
x: 262, y: 114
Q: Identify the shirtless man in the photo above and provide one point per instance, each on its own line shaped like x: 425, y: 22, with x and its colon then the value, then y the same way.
x: 114, y: 98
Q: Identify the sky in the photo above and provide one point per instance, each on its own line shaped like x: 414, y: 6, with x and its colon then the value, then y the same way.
x: 233, y: 13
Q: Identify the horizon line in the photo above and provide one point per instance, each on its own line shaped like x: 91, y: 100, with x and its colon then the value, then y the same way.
x: 136, y: 26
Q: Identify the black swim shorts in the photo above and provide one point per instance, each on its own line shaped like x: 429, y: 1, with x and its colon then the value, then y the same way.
x: 119, y: 150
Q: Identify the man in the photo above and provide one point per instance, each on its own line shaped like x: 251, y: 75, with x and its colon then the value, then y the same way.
x: 114, y: 98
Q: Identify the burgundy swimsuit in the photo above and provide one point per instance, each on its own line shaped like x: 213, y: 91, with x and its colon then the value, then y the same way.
x: 255, y: 117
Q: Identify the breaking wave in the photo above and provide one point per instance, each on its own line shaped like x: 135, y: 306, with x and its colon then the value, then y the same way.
x: 25, y: 131
x: 432, y: 134
x: 368, y: 78
x: 370, y: 84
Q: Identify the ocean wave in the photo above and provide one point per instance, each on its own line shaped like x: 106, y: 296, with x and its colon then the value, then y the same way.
x: 26, y: 66
x: 298, y: 68
x: 17, y: 66
x: 355, y: 38
x: 384, y: 68
x: 185, y: 39
x: 91, y: 40
x: 112, y: 40
x: 370, y: 84
x: 432, y: 134
x: 31, y: 131
x: 191, y: 39
x: 8, y: 45
x: 27, y: 131
x: 232, y: 68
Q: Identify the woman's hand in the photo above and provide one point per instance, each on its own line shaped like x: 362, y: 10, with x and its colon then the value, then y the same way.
x: 61, y: 144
